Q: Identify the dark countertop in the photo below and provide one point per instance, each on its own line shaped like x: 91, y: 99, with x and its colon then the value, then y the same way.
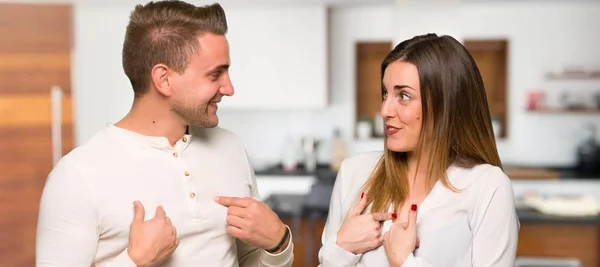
x: 316, y: 203
x: 532, y: 216
x: 289, y: 206
x: 322, y: 170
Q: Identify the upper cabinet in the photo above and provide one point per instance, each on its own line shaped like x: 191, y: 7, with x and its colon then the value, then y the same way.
x: 278, y: 57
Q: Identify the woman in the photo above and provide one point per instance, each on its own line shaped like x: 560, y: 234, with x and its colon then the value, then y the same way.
x: 437, y: 195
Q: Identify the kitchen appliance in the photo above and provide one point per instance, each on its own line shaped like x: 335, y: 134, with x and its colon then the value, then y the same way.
x: 588, y: 152
x: 309, y: 148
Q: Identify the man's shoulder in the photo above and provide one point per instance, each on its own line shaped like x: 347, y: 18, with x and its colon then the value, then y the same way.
x: 91, y: 149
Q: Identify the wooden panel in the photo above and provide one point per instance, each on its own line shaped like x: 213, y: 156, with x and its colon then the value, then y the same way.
x: 35, y: 28
x: 32, y: 145
x: 491, y: 59
x: 557, y: 240
x: 24, y: 82
x: 369, y: 57
x: 35, y: 54
x: 35, y: 62
x: 31, y: 110
x: 531, y: 173
x: 308, y: 242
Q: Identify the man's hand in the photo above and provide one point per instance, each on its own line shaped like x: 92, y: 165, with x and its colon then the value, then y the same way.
x: 253, y: 222
x: 152, y: 241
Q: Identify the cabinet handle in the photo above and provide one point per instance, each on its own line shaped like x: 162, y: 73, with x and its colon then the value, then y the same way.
x: 56, y: 123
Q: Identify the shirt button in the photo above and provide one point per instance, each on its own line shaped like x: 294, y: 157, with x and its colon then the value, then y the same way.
x: 187, y: 173
x: 184, y: 139
x: 192, y: 195
x: 175, y: 154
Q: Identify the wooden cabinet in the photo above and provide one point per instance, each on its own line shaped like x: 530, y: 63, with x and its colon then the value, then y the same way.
x: 307, y: 241
x: 35, y: 55
x: 579, y: 241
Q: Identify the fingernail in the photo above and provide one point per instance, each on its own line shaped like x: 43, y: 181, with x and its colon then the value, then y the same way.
x: 362, y: 194
x: 216, y: 198
x: 394, y: 215
x: 413, y: 207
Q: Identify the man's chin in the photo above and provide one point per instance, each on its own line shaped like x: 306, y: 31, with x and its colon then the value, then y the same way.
x: 212, y: 122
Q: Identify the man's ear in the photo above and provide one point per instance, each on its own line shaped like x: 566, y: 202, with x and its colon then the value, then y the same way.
x: 160, y: 79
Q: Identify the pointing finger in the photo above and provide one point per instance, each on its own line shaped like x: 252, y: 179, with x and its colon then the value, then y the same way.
x: 138, y: 212
x: 404, y: 224
x: 233, y: 201
x: 361, y: 205
x: 412, y: 218
x: 383, y: 216
x: 160, y: 212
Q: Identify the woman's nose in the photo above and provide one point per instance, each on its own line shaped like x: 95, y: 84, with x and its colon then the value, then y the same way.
x: 386, y: 109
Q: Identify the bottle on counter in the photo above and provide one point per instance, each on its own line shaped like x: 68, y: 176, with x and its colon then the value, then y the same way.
x: 338, y: 151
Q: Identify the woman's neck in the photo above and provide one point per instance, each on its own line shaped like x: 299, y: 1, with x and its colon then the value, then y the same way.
x: 417, y: 170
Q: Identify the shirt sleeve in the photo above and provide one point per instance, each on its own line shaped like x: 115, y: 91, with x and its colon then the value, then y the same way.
x: 67, y: 222
x: 413, y: 261
x: 251, y: 256
x: 331, y: 254
x: 496, y: 225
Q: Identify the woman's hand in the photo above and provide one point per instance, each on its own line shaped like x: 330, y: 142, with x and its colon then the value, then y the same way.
x: 400, y: 241
x: 361, y: 233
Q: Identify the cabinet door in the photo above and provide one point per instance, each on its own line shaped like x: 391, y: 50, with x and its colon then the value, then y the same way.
x: 278, y: 57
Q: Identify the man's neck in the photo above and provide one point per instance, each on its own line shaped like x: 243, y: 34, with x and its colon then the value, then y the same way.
x: 153, y: 119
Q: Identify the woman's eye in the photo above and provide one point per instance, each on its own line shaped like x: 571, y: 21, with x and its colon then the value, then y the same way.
x: 404, y: 96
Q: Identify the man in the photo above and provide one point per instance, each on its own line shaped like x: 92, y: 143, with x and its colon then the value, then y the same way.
x: 145, y: 191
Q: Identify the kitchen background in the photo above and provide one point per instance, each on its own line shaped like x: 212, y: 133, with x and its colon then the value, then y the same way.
x: 306, y: 79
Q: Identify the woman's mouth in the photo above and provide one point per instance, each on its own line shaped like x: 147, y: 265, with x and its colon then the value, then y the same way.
x: 390, y: 130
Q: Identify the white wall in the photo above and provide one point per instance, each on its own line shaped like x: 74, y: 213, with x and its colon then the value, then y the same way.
x: 265, y: 133
x: 99, y: 32
x: 542, y: 36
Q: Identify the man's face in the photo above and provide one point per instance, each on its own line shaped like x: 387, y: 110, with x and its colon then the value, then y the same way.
x: 197, y: 91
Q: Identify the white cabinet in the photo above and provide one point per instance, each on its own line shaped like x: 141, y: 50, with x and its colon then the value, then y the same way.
x: 278, y: 57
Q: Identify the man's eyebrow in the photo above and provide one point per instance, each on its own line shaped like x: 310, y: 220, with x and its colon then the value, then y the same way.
x: 219, y: 68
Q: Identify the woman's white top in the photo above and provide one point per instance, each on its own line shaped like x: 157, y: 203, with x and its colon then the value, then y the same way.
x: 477, y: 226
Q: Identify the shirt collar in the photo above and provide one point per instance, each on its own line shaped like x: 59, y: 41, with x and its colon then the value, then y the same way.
x: 158, y: 142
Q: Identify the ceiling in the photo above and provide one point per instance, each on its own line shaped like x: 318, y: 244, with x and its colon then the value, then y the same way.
x: 287, y: 2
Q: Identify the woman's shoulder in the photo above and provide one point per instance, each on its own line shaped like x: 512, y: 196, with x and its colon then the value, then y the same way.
x: 358, y: 167
x: 363, y: 161
x: 480, y: 175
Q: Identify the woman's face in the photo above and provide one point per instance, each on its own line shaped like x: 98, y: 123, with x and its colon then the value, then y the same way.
x: 401, y: 108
